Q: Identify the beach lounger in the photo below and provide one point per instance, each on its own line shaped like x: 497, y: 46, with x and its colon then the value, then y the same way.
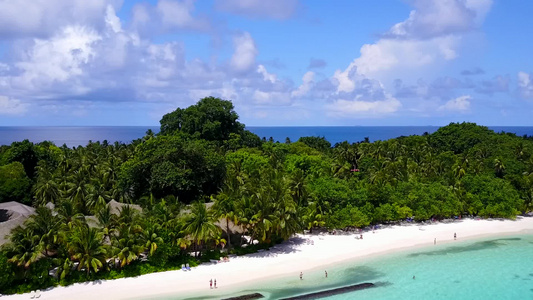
x: 183, y: 268
x: 37, y: 293
x: 32, y: 294
x: 187, y: 267
x: 214, y: 261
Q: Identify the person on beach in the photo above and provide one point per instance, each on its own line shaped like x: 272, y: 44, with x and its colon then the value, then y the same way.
x: 326, y: 273
x: 215, y: 283
x: 301, y: 275
x: 435, y: 241
x: 454, y: 235
x: 210, y: 283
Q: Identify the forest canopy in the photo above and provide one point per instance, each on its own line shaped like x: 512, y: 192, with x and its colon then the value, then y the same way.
x: 183, y: 188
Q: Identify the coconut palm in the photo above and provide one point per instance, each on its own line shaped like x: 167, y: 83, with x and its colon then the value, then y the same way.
x: 127, y: 244
x: 106, y: 220
x: 25, y: 247
x: 46, y: 188
x: 200, y: 224
x: 86, y: 245
x: 45, y: 225
x: 150, y: 237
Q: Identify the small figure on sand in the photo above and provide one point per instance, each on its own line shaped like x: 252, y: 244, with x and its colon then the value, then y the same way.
x: 215, y: 283
x: 454, y: 235
x: 326, y: 273
x: 413, y: 276
x: 301, y: 275
x: 361, y: 236
x: 210, y: 283
x: 435, y: 241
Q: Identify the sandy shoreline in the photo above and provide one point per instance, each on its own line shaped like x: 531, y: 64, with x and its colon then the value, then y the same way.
x: 301, y: 253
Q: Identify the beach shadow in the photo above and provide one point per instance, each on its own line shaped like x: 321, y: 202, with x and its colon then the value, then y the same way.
x: 289, y: 246
x: 469, y: 248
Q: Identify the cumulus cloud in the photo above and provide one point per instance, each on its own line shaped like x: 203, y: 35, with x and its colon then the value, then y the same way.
x: 41, y: 18
x: 57, y: 59
x: 362, y: 109
x: 10, y: 106
x: 431, y: 34
x: 525, y: 85
x: 429, y: 37
x: 459, y: 104
x: 243, y: 58
x: 432, y: 19
x: 276, y: 9
x: 307, y: 82
x: 179, y: 14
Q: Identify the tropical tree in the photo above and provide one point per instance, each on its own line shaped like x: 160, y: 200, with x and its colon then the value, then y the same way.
x: 86, y: 246
x: 200, y: 224
x: 25, y: 247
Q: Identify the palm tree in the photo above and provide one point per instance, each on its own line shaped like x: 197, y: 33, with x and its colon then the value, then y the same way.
x: 106, y: 220
x: 150, y: 237
x: 45, y: 225
x: 200, y: 224
x: 86, y: 245
x: 46, y: 188
x: 77, y: 190
x: 98, y: 196
x: 128, y: 244
x: 25, y: 246
x: 499, y: 167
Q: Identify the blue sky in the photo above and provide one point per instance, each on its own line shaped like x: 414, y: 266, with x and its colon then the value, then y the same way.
x: 281, y: 62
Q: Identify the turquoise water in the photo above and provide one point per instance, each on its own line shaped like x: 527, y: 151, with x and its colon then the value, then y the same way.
x: 496, y: 268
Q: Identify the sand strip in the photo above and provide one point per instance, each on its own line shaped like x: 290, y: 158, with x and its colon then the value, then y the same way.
x: 301, y: 253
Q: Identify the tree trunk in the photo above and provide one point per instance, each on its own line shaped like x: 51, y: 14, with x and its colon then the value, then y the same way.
x: 228, y: 233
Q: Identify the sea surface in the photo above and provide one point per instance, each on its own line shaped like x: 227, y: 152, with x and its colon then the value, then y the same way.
x: 76, y: 136
x: 489, y: 268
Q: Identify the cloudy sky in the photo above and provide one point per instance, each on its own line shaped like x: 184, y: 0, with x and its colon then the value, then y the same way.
x: 281, y: 62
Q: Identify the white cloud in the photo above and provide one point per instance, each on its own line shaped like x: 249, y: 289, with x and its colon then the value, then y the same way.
x: 430, y: 35
x: 41, y: 18
x: 10, y: 106
x: 57, y: 59
x: 307, y: 82
x: 438, y: 18
x: 525, y: 85
x: 243, y: 58
x: 362, y: 109
x: 428, y: 38
x: 459, y: 104
x: 271, y: 98
x: 277, y: 9
x: 179, y: 14
x: 272, y: 78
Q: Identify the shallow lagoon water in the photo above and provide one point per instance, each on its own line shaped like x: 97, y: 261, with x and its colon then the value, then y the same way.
x: 493, y: 268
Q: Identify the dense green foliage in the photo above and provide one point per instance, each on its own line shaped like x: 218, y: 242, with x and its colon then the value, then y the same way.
x: 267, y: 191
x: 14, y: 184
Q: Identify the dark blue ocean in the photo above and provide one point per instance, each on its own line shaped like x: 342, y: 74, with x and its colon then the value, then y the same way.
x: 76, y: 136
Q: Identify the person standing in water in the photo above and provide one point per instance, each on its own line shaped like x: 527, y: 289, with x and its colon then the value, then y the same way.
x: 301, y: 275
x: 210, y: 283
x: 326, y: 273
x: 454, y: 235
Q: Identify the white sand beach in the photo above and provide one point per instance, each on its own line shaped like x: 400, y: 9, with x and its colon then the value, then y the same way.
x: 301, y: 253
